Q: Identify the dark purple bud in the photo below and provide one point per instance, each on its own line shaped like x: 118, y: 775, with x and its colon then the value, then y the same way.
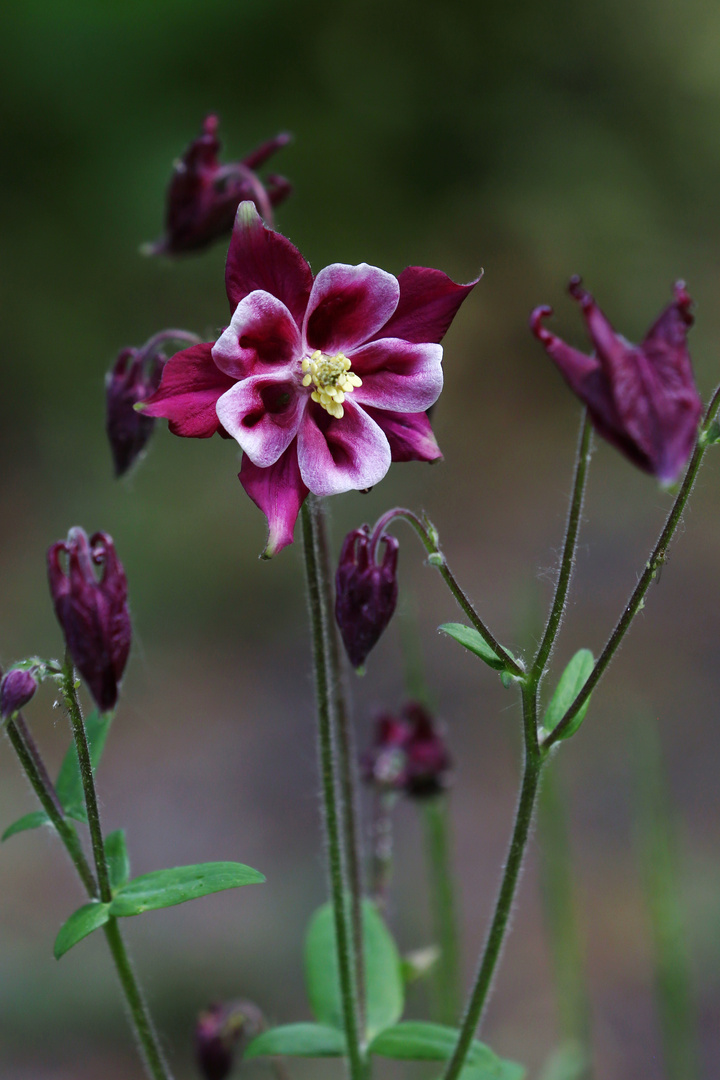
x: 92, y: 613
x: 384, y: 765
x: 16, y: 689
x: 203, y: 195
x: 428, y: 763
x: 641, y: 398
x: 133, y: 378
x: 221, y: 1034
x: 366, y: 592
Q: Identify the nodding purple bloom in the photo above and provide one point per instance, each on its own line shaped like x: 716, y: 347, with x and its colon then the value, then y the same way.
x: 408, y: 754
x: 134, y: 376
x: 92, y: 613
x: 203, y: 195
x: 641, y: 398
x: 221, y: 1034
x: 16, y: 689
x: 366, y: 592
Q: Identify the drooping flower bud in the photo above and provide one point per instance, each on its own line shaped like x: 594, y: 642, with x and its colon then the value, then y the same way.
x: 16, y: 689
x: 92, y: 613
x: 366, y: 592
x: 134, y: 376
x: 641, y: 398
x: 221, y: 1034
x: 383, y: 766
x: 408, y: 754
x: 203, y: 195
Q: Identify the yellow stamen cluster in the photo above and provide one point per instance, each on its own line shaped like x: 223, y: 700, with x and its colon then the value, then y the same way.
x: 332, y: 378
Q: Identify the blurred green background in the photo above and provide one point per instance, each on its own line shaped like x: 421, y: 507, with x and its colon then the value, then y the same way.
x: 535, y: 140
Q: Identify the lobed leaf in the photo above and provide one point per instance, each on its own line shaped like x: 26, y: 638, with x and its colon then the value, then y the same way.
x: 165, y: 888
x: 81, y: 923
x: 571, y: 683
x: 298, y: 1040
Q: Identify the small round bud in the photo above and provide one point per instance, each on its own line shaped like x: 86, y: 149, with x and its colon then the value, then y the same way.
x: 16, y: 689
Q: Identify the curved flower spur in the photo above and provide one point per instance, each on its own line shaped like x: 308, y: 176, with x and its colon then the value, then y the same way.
x: 323, y: 381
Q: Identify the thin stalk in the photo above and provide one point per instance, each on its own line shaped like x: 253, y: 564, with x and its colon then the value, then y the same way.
x: 319, y: 619
x: 436, y: 558
x: 140, y: 1017
x: 634, y: 604
x: 568, y: 557
x: 444, y: 908
x: 345, y: 751
x: 511, y: 875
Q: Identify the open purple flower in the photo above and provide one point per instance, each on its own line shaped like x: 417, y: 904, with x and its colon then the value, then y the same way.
x: 204, y: 195
x: 323, y: 381
x: 641, y: 398
x: 92, y: 613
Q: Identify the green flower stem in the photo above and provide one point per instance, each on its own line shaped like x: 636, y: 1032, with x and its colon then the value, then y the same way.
x: 568, y: 556
x: 319, y: 617
x: 140, y: 1017
x: 429, y: 538
x: 503, y: 907
x: 657, y: 558
x: 442, y: 896
x: 345, y: 751
x: 45, y: 792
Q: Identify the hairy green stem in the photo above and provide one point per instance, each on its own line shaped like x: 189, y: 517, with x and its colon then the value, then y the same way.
x: 444, y: 908
x: 140, y: 1016
x: 319, y: 618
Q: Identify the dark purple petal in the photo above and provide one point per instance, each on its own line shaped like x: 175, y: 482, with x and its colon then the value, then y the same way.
x: 397, y: 375
x: 348, y: 304
x: 133, y: 378
x: 341, y: 455
x: 221, y: 1034
x: 260, y: 258
x: 429, y: 301
x: 427, y: 760
x: 189, y: 391
x: 365, y: 593
x: 262, y: 335
x: 263, y: 415
x: 16, y: 689
x: 410, y: 435
x: 279, y: 492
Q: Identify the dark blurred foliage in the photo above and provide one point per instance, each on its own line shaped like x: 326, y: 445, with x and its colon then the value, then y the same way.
x: 536, y: 140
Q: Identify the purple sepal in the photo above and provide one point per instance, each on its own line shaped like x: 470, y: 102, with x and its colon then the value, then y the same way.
x: 221, y: 1034
x: 408, y: 754
x: 641, y: 398
x: 93, y: 614
x: 16, y: 689
x: 134, y: 376
x: 203, y: 195
x: 366, y: 592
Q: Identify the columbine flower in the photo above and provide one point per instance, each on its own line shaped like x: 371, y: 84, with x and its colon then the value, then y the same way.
x: 641, y: 398
x: 408, y: 754
x: 366, y: 592
x: 221, y: 1034
x: 134, y: 376
x: 322, y: 381
x: 203, y: 195
x: 16, y: 689
x: 93, y: 614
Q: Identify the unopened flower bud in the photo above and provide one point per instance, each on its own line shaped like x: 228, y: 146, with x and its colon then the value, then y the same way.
x: 203, y: 195
x: 408, y: 754
x: 134, y: 377
x: 92, y: 613
x: 383, y: 765
x: 366, y: 592
x: 221, y: 1034
x: 16, y: 689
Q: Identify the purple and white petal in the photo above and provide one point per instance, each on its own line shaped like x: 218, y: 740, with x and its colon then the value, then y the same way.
x: 348, y: 305
x: 188, y: 393
x: 409, y: 434
x: 262, y: 335
x: 279, y: 492
x: 429, y: 301
x: 262, y: 414
x: 397, y: 375
x: 341, y: 455
x: 260, y: 258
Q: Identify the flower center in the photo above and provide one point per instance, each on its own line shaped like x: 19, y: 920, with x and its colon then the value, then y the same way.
x: 332, y: 378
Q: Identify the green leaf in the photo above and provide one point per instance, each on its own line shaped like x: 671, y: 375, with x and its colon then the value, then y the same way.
x: 383, y: 971
x: 571, y: 683
x: 117, y: 859
x: 415, y: 1040
x: 164, y: 888
x: 298, y: 1040
x: 472, y: 640
x: 69, y: 782
x: 23, y: 824
x: 81, y: 923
